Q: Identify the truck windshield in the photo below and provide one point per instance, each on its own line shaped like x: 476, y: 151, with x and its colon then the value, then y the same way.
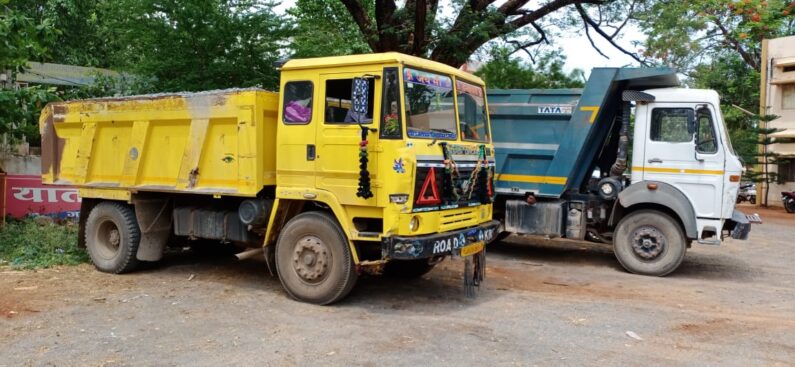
x: 429, y: 105
x: 471, y: 111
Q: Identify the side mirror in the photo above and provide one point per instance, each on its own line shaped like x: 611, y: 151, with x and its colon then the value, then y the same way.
x: 359, y: 91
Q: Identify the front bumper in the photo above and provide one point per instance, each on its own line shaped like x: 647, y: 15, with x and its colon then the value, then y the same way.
x: 440, y: 244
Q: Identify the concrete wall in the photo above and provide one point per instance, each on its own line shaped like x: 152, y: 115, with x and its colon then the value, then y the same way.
x: 14, y: 164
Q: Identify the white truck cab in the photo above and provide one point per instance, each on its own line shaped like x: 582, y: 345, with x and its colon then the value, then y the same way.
x: 680, y: 139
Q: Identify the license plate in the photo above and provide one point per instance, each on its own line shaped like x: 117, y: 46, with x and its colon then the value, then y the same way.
x: 471, y: 249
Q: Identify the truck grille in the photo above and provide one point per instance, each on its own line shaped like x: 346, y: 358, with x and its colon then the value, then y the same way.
x: 459, y: 219
x: 447, y: 192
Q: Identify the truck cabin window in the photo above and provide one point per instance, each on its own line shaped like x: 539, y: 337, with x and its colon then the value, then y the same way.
x: 705, y: 133
x: 471, y: 111
x: 390, y: 107
x: 430, y: 112
x: 670, y: 125
x: 297, y: 102
x: 338, y: 102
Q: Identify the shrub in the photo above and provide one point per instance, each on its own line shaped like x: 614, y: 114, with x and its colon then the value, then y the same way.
x: 31, y: 244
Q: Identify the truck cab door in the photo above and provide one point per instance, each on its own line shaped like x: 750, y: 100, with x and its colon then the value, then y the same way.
x: 296, y: 149
x: 682, y: 149
x: 339, y: 134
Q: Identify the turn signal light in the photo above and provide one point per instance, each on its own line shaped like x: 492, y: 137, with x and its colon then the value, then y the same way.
x: 734, y: 178
x: 651, y: 186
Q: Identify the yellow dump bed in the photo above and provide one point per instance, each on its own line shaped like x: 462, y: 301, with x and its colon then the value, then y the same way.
x: 219, y: 142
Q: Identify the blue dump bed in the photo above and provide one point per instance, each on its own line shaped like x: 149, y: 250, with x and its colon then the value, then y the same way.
x: 546, y: 141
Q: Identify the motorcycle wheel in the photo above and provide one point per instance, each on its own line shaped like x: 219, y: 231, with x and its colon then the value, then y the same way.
x: 789, y: 205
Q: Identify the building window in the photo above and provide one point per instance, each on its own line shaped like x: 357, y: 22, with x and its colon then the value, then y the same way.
x: 788, y: 96
x: 786, y: 170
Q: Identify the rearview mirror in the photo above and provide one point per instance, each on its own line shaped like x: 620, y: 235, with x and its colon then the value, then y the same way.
x: 359, y: 91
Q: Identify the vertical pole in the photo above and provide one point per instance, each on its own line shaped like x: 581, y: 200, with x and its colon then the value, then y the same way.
x: 762, y: 149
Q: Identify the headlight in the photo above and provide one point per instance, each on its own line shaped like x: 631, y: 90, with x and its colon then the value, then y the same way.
x: 607, y: 189
x: 414, y: 223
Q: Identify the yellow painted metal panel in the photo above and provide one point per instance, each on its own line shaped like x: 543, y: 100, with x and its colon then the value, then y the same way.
x: 220, y: 142
x: 103, y: 193
x: 533, y: 179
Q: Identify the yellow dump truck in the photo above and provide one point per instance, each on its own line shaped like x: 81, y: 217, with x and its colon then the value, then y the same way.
x: 379, y: 162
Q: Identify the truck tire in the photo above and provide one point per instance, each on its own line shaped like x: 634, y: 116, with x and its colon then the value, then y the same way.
x: 112, y: 237
x: 649, y: 242
x: 407, y: 269
x: 313, y: 259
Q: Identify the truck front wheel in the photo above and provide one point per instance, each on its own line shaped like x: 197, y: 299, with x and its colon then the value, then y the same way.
x: 313, y: 259
x: 112, y: 237
x: 649, y: 242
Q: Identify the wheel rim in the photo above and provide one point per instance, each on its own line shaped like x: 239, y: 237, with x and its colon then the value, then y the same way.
x: 648, y: 243
x: 108, y: 239
x: 311, y: 259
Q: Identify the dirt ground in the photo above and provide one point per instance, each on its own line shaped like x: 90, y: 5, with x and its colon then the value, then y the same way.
x: 729, y: 305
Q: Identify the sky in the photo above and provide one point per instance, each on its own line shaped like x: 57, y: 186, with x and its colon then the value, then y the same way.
x: 578, y: 50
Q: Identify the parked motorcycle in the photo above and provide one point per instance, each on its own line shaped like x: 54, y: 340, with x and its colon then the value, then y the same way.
x: 788, y: 198
x: 747, y: 193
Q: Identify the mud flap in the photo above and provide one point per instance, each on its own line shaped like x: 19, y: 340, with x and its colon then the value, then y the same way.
x: 474, y: 272
x: 154, y: 220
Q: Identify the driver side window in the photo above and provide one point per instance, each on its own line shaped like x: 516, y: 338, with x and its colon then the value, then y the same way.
x: 706, y: 142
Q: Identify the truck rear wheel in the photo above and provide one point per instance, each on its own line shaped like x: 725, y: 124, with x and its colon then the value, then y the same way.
x: 649, y: 242
x: 112, y: 237
x: 407, y: 269
x: 313, y: 259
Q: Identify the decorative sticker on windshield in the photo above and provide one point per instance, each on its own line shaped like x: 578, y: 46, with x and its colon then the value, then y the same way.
x: 429, y: 79
x: 470, y: 89
x: 430, y: 134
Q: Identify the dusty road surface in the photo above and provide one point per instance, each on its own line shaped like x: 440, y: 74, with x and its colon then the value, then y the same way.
x: 732, y: 305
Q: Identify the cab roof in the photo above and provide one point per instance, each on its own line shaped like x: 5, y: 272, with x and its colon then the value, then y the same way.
x: 379, y: 58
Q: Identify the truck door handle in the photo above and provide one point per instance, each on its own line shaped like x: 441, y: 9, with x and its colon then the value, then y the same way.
x: 655, y: 160
x: 310, y: 152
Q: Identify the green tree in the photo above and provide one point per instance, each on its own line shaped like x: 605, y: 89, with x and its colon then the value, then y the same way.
x: 766, y: 158
x: 80, y: 30
x: 451, y: 33
x: 192, y: 45
x: 21, y: 109
x: 504, y: 71
x: 324, y: 28
x: 22, y: 40
x: 689, y: 33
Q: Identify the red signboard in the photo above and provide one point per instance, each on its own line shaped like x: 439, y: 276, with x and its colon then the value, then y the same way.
x: 25, y: 195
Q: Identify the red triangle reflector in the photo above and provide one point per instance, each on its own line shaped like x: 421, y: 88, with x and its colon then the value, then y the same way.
x: 433, y: 199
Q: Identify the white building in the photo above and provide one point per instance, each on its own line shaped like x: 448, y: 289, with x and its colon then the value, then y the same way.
x: 777, y: 97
